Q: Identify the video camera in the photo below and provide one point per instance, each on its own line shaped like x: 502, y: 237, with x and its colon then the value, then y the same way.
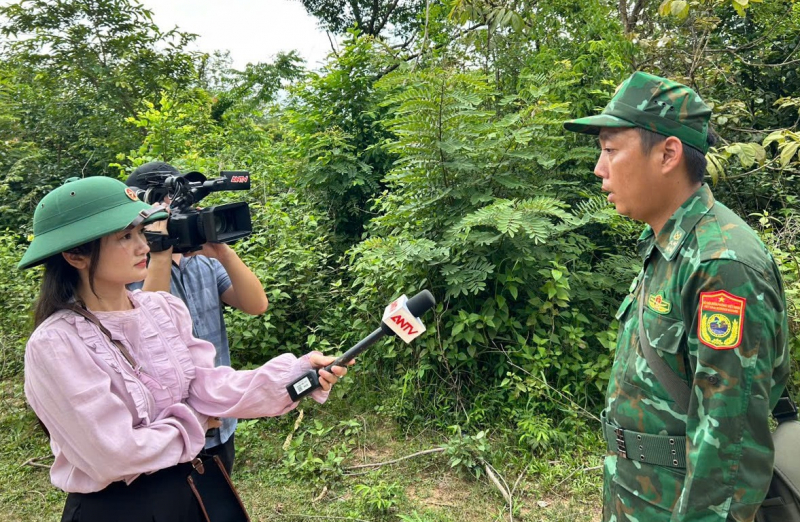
x: 189, y: 228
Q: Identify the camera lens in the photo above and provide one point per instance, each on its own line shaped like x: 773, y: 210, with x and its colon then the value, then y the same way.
x: 220, y: 224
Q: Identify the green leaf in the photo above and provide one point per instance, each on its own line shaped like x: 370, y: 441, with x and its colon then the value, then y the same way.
x: 775, y: 136
x: 788, y: 150
x: 714, y: 166
x: 680, y: 8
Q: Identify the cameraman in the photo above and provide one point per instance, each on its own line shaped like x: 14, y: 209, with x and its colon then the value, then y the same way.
x: 204, y: 280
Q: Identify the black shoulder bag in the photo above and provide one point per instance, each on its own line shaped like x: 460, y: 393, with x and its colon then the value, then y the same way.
x: 219, y: 501
x: 782, y: 503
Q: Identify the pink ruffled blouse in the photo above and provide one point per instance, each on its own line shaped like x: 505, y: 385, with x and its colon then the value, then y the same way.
x: 108, y: 422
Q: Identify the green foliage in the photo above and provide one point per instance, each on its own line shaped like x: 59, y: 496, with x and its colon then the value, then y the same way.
x: 474, y: 213
x: 309, y: 454
x: 467, y: 452
x: 680, y: 8
x: 72, y: 72
x: 371, y: 17
x: 780, y: 234
x: 18, y: 290
x: 381, y: 498
x: 336, y: 133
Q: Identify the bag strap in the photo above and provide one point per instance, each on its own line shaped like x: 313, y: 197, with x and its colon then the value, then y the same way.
x: 785, y: 409
x: 675, y: 386
x: 83, y: 311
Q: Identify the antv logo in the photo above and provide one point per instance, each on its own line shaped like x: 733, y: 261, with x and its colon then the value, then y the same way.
x: 404, y: 325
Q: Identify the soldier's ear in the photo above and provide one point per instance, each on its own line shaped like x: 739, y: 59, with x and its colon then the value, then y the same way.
x: 671, y: 151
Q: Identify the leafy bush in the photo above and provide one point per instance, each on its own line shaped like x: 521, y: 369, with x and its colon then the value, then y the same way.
x: 474, y: 214
x: 380, y: 498
x: 18, y: 289
x: 467, y: 452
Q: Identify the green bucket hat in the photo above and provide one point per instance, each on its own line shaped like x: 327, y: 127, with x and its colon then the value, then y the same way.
x: 656, y: 104
x: 82, y: 210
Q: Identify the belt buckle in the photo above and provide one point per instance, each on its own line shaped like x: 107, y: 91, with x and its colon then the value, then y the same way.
x: 622, y: 451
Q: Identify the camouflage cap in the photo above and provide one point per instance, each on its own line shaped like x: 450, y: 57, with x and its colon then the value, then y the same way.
x: 656, y: 104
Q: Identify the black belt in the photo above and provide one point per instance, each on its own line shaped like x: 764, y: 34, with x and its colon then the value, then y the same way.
x: 661, y: 450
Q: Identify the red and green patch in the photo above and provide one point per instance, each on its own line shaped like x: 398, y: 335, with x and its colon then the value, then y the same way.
x: 720, y: 320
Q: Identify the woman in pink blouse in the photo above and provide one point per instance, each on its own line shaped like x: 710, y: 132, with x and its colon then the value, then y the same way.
x: 127, y: 414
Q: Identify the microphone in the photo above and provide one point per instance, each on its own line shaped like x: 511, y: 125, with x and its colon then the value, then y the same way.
x: 400, y: 318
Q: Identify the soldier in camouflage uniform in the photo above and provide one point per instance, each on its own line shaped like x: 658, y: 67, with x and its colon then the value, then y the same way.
x: 712, y: 306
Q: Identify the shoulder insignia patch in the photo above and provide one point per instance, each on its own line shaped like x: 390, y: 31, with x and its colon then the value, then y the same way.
x: 720, y: 320
x: 658, y: 304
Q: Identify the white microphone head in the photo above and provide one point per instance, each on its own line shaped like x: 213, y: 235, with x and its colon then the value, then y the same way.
x: 401, y: 321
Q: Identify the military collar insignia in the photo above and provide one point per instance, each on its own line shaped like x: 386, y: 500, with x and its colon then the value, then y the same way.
x: 658, y: 304
x: 678, y: 227
x: 720, y: 320
x: 674, y: 243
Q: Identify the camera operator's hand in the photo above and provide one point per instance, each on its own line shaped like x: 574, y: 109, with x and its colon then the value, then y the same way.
x: 159, y: 267
x: 245, y: 293
x: 219, y: 251
x: 159, y: 226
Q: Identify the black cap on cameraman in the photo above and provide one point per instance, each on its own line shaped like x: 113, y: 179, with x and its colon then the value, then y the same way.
x: 135, y: 179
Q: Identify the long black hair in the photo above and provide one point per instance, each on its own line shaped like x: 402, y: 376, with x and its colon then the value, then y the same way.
x: 60, y: 281
x: 60, y: 286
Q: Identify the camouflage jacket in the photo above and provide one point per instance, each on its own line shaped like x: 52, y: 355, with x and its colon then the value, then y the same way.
x: 715, y: 311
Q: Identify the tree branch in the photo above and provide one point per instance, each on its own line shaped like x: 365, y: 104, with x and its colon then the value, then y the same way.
x: 389, y: 10
x: 495, y: 478
x: 395, y: 461
x: 623, y: 14
x: 34, y: 463
x: 410, y: 57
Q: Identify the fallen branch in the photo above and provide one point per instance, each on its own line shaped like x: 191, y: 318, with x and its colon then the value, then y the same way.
x: 321, y: 495
x: 503, y: 487
x: 320, y: 517
x: 33, y: 462
x: 395, y: 461
x: 522, y: 474
x: 291, y: 434
x: 574, y: 472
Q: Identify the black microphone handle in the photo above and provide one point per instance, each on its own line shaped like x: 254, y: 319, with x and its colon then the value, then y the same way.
x: 417, y: 305
x: 362, y: 345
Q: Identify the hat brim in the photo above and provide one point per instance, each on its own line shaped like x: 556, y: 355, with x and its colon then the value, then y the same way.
x: 593, y: 124
x: 83, y: 231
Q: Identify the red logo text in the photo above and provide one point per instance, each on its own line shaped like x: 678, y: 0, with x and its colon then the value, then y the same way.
x: 404, y: 325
